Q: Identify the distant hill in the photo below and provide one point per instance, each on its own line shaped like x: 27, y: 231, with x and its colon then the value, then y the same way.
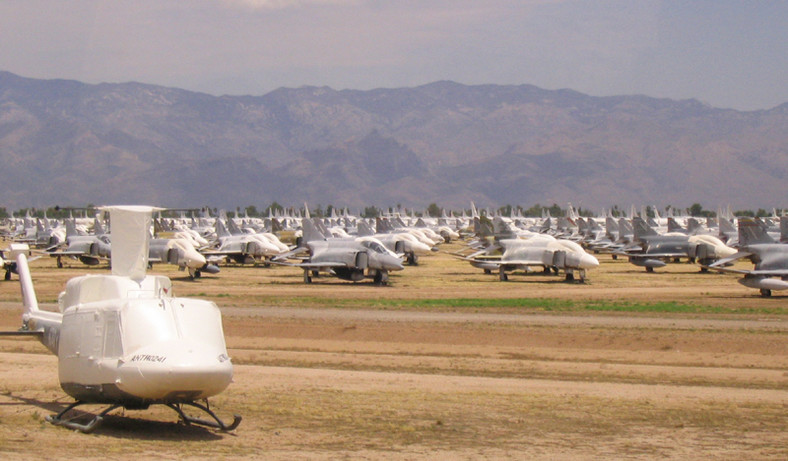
x: 68, y: 143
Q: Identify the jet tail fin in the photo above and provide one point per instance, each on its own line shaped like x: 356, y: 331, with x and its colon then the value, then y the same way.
x: 485, y: 227
x: 233, y: 228
x: 311, y: 231
x: 364, y: 230
x: 694, y: 226
x: 642, y: 229
x: 71, y: 227
x: 98, y: 228
x: 276, y: 226
x: 221, y: 230
x: 674, y: 226
x: 725, y: 226
x: 751, y: 232
x: 783, y: 229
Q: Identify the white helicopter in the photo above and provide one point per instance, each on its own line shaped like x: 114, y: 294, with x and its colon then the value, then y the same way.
x: 123, y: 340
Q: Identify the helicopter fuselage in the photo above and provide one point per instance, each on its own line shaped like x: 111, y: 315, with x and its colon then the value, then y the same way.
x: 137, y: 345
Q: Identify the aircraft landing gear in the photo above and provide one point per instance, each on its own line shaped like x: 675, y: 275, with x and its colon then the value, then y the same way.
x: 381, y: 278
x: 307, y: 277
x: 194, y: 273
x: 766, y: 292
x: 570, y: 275
x: 217, y: 423
x: 58, y: 420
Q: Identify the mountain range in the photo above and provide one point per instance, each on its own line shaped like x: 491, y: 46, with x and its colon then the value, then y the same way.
x: 69, y: 143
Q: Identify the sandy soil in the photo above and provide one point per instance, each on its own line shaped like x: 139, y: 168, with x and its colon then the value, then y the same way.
x: 337, y: 370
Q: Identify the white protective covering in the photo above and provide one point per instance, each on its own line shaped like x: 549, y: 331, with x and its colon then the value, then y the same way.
x: 130, y: 230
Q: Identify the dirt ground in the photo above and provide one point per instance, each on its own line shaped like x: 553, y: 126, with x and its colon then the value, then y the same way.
x: 442, y: 364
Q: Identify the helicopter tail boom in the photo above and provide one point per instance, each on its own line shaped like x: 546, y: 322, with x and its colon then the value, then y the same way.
x: 46, y: 324
x: 28, y: 292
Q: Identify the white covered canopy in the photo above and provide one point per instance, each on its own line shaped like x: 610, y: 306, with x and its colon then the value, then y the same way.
x: 130, y: 230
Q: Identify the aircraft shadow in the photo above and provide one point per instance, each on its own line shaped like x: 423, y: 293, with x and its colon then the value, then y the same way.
x: 125, y: 426
x: 326, y: 281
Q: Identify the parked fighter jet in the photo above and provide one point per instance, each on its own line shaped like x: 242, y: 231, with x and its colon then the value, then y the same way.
x: 89, y: 249
x: 770, y: 258
x: 122, y: 340
x: 399, y: 241
x: 181, y: 253
x: 538, y: 250
x: 48, y: 236
x: 242, y: 248
x: 652, y: 250
x: 344, y: 258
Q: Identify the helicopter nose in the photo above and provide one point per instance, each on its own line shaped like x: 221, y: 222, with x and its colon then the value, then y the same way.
x: 175, y: 372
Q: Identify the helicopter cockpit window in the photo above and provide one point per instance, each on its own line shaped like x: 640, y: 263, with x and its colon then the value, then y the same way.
x: 145, y: 323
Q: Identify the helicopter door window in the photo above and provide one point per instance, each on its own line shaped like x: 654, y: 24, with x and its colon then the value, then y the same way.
x: 113, y: 346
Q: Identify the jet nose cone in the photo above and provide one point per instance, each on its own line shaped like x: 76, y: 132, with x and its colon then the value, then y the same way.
x: 393, y: 263
x: 195, y: 260
x: 588, y: 261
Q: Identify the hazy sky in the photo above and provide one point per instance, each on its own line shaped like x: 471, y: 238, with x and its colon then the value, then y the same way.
x: 724, y: 52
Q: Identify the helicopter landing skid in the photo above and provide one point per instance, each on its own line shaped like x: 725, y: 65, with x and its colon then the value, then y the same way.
x: 216, y: 423
x: 58, y: 420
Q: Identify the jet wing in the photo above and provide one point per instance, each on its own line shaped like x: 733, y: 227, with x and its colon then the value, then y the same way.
x: 71, y: 253
x: 221, y: 253
x: 494, y: 263
x: 292, y: 254
x: 770, y: 272
x: 655, y: 255
x: 725, y: 261
x: 764, y: 273
x: 521, y: 262
x: 309, y: 265
x: 728, y: 269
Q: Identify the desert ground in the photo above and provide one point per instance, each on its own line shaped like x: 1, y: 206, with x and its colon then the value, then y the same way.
x: 446, y: 363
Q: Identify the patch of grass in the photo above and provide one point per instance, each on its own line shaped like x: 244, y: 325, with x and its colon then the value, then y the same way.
x: 462, y: 303
x: 534, y: 304
x: 670, y: 307
x: 206, y: 295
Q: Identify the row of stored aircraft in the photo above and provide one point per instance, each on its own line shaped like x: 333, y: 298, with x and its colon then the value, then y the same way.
x: 199, y: 245
x: 124, y: 341
x: 650, y: 242
x: 354, y: 248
